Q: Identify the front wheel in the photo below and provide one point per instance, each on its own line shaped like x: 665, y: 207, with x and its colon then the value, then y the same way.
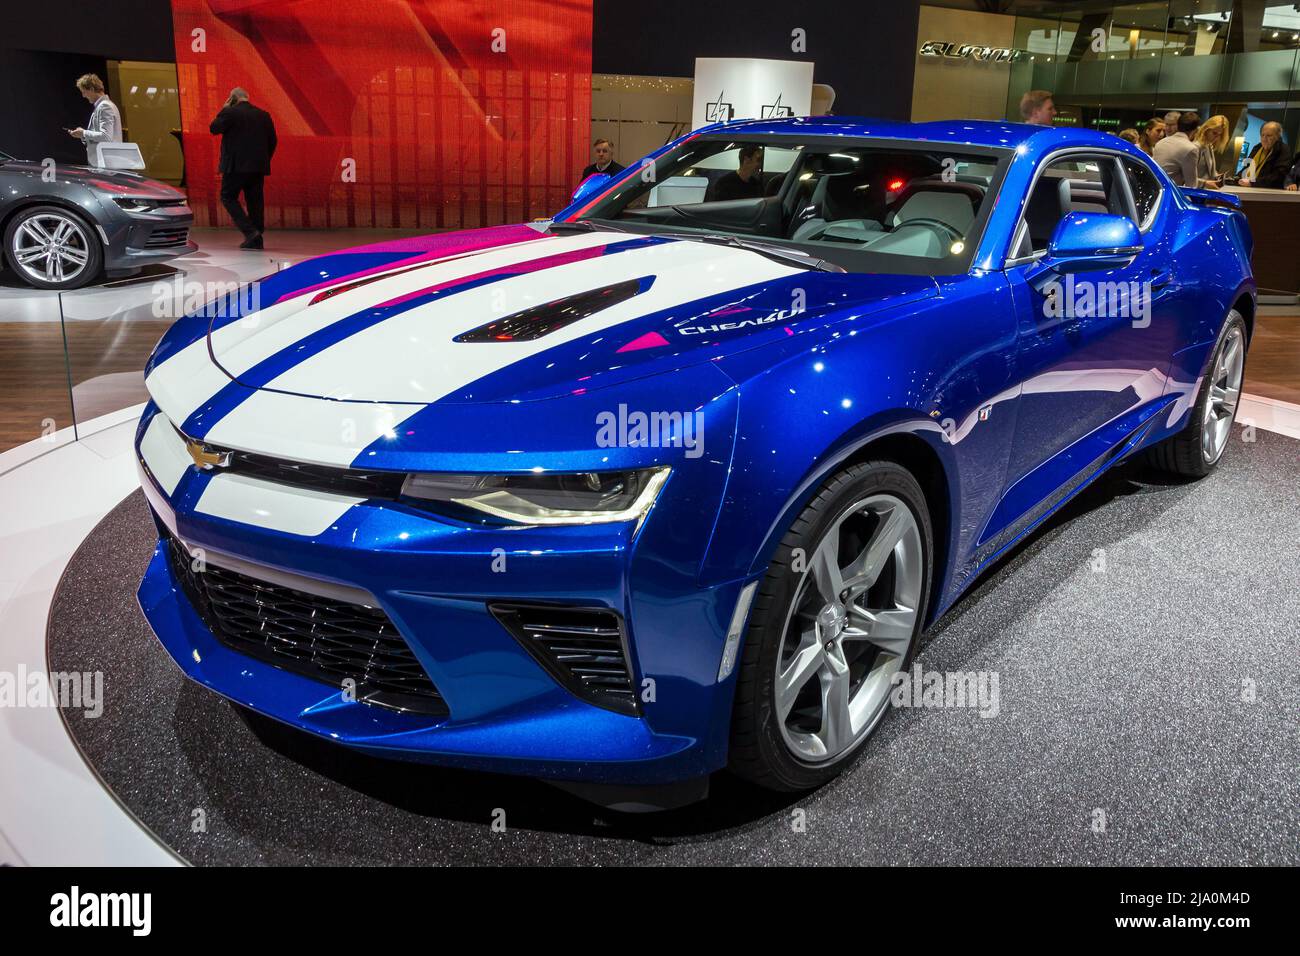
x: 50, y: 247
x: 838, y: 614
x: 1196, y: 450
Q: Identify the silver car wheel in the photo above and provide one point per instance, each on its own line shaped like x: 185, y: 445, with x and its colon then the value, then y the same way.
x: 849, y: 628
x: 51, y: 247
x: 1225, y: 393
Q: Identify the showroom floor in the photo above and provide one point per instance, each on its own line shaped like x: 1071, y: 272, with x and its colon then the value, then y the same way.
x: 1146, y: 647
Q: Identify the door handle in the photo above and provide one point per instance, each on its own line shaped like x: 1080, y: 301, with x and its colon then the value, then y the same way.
x: 1160, y: 278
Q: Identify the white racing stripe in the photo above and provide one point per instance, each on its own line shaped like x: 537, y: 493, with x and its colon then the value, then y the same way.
x: 412, y: 358
x: 186, y: 380
x: 266, y: 504
x: 412, y: 355
x: 164, y: 453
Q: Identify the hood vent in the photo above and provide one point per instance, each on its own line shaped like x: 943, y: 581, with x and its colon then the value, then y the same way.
x: 540, y: 320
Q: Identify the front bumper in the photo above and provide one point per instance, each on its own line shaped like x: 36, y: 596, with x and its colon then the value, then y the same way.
x: 434, y: 579
x: 135, y: 240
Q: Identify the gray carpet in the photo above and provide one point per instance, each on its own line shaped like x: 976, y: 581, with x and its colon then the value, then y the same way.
x: 1123, y: 692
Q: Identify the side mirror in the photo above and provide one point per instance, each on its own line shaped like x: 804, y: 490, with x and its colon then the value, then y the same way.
x: 590, y: 186
x: 1085, y: 241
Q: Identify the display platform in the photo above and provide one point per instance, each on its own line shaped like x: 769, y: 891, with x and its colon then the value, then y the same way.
x: 1145, y: 647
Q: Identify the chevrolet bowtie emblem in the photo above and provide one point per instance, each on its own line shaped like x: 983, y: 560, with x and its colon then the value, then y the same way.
x: 205, y: 457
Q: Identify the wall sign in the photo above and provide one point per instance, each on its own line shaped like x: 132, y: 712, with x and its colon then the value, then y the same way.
x: 728, y: 88
x: 970, y: 51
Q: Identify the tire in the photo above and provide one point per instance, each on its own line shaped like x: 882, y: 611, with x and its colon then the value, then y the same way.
x: 781, y: 752
x: 1188, y: 453
x: 80, y: 258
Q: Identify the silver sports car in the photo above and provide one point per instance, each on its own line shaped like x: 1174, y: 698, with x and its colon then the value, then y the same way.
x: 66, y: 226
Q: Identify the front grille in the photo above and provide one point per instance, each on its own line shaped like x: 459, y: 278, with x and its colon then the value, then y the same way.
x: 356, y: 482
x: 583, y: 648
x: 327, y: 640
x: 168, y: 236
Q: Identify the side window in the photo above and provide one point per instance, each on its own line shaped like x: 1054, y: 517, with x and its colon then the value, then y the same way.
x: 1076, y: 184
x: 1146, y: 190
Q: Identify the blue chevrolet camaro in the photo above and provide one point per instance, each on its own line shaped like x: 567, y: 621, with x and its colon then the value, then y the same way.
x: 674, y: 482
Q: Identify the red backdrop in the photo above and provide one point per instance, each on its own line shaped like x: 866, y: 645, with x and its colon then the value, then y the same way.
x: 444, y: 131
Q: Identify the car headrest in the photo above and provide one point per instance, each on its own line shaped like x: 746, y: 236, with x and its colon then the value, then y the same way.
x: 951, y: 207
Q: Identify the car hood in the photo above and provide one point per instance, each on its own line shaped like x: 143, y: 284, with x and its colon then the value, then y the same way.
x: 117, y: 182
x: 534, y: 320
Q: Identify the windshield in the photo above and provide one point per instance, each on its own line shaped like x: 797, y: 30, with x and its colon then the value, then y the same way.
x: 864, y: 205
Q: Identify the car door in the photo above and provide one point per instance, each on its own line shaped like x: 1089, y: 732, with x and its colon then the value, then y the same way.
x: 1093, y: 347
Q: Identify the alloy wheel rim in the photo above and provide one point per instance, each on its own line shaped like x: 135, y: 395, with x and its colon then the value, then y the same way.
x: 848, y: 629
x: 1225, y: 393
x: 51, y: 248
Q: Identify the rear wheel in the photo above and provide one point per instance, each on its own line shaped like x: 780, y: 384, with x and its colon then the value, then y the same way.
x: 1197, y: 449
x: 836, y: 617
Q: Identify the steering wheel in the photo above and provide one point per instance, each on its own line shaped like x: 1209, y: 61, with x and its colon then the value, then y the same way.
x: 953, y: 233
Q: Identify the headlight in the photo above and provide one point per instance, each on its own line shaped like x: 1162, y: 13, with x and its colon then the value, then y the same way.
x: 131, y: 204
x: 584, y: 498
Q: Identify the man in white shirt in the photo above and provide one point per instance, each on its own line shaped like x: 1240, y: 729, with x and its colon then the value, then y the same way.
x: 105, y: 125
x: 1176, y: 154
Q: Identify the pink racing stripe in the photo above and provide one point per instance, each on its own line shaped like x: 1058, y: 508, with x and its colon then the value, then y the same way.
x: 519, y: 268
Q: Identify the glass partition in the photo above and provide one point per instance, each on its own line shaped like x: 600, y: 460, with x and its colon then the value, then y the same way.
x: 1111, y: 66
x: 70, y: 358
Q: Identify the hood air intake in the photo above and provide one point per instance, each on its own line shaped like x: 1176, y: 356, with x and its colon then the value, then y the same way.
x: 540, y: 320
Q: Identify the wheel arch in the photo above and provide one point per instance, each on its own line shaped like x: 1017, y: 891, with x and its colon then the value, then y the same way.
x: 1245, y: 304
x: 914, y: 443
x: 923, y: 462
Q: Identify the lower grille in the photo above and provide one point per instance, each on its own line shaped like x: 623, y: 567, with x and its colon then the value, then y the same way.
x: 327, y: 640
x: 173, y: 236
x: 583, y: 648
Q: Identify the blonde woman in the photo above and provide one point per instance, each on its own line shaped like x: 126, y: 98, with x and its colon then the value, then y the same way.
x: 1152, y: 133
x: 1211, y: 139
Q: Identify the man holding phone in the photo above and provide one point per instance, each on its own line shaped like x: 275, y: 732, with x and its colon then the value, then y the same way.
x: 247, y: 144
x: 105, y: 125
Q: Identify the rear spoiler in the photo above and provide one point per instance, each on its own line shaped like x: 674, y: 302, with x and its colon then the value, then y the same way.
x: 1211, y: 197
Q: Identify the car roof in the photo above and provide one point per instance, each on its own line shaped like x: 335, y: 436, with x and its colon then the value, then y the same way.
x: 989, y: 134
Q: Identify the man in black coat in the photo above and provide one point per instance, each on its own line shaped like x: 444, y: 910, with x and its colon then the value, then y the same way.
x: 247, y: 145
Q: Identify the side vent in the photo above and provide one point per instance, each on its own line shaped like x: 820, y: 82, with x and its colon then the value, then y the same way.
x: 539, y: 320
x: 583, y: 648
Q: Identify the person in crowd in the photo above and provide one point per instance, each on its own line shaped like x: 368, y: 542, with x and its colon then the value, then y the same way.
x: 1270, y: 160
x: 1152, y: 133
x: 1176, y: 154
x: 247, y: 145
x: 1292, y: 181
x: 1130, y: 136
x: 1171, y: 122
x: 746, y: 182
x: 603, y: 150
x: 105, y: 124
x: 1037, y: 108
x: 1211, y: 139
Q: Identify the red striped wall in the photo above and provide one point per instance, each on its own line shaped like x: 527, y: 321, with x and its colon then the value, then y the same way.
x: 444, y: 132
